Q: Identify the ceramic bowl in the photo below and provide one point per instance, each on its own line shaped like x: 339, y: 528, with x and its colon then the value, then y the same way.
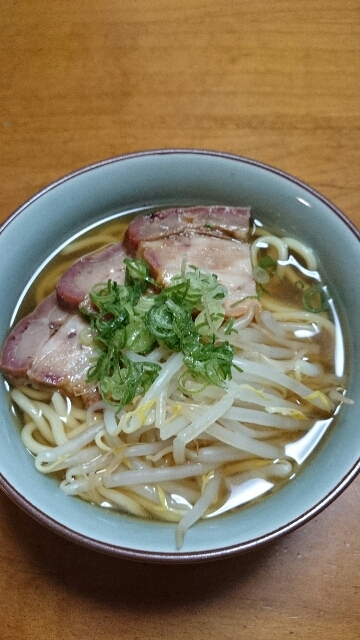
x: 160, y: 179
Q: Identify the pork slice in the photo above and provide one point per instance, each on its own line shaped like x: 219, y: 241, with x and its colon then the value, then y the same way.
x: 75, y: 284
x: 213, y: 220
x: 63, y: 361
x: 228, y: 259
x: 28, y: 336
x: 44, y: 350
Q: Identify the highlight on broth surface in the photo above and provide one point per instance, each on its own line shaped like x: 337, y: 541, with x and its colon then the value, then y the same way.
x: 203, y: 402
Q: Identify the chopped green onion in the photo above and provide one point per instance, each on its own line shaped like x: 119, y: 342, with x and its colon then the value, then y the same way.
x: 261, y: 275
x: 182, y: 317
x: 268, y: 264
x: 315, y: 299
x: 120, y: 380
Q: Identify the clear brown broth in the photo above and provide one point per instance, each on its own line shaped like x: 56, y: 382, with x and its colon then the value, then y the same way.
x: 283, y: 290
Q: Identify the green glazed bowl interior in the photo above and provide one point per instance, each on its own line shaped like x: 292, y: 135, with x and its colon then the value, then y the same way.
x: 160, y: 179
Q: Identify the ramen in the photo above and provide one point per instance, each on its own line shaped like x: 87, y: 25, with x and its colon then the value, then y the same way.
x: 194, y: 402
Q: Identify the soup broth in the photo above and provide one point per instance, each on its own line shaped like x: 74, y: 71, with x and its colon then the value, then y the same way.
x: 285, y: 389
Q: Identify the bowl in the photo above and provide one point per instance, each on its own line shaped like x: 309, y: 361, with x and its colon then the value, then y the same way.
x: 161, y: 179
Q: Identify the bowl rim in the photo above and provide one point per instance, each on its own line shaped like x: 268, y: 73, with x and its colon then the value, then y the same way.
x: 191, y: 556
x: 175, y: 557
x: 181, y: 151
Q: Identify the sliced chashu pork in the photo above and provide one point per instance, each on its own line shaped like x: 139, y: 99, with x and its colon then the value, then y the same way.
x: 224, y: 222
x: 44, y: 349
x: 75, y: 284
x: 212, y: 238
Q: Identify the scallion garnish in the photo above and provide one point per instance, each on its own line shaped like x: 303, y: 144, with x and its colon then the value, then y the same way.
x: 181, y: 317
x: 315, y: 299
